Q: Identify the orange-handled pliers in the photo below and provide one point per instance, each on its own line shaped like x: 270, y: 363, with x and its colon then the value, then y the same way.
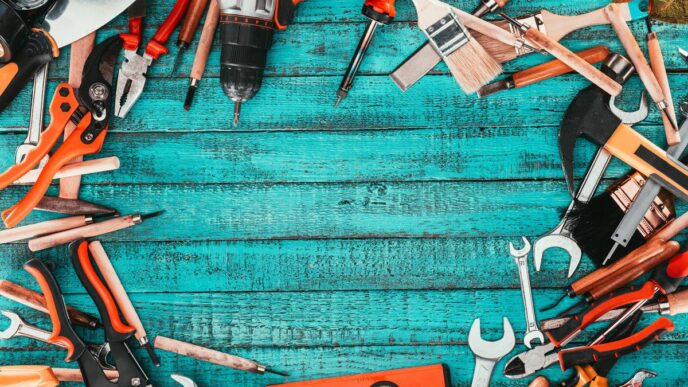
x: 88, y: 108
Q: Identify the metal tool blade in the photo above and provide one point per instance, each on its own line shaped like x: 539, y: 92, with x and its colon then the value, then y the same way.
x: 70, y: 20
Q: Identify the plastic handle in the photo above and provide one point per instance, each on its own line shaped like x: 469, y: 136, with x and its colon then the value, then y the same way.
x: 115, y: 329
x: 62, y: 328
x: 556, y: 67
x: 133, y: 38
x: 156, y: 46
x: 39, y: 50
x: 385, y: 7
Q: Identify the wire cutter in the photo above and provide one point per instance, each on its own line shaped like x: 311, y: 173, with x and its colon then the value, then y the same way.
x: 117, y: 331
x: 132, y: 75
x: 88, y: 108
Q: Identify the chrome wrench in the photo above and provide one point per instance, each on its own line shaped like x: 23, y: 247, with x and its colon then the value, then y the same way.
x: 36, y: 118
x: 488, y: 353
x: 521, y: 259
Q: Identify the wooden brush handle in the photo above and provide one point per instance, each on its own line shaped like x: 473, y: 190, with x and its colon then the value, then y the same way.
x: 191, y: 19
x: 629, y: 273
x: 678, y: 302
x: 90, y: 231
x: 74, y: 374
x: 558, y: 26
x: 486, y: 28
x: 43, y: 228
x: 80, y: 50
x: 206, y: 41
x: 635, y: 54
x: 659, y: 69
x: 118, y: 292
x: 556, y: 67
x: 36, y: 301
x: 75, y: 169
x: 654, y: 247
x: 574, y: 61
x: 206, y: 354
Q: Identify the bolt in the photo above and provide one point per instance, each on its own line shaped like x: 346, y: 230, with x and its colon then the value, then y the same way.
x: 65, y: 107
x: 64, y: 91
x: 88, y: 136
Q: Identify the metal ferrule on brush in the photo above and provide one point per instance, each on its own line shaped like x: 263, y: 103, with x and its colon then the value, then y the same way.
x: 659, y: 213
x: 448, y: 35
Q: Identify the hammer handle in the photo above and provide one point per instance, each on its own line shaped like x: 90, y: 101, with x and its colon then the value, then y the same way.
x: 659, y: 69
x: 574, y: 61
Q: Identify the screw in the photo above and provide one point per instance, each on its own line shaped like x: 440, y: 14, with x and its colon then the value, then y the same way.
x: 65, y: 107
x: 64, y: 91
x: 88, y: 136
x: 135, y: 381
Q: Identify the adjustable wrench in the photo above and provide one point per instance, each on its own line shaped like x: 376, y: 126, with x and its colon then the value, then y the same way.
x: 521, y: 259
x: 36, y: 118
x: 488, y: 353
x: 561, y: 236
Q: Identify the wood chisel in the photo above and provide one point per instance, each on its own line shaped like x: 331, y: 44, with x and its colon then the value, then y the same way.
x: 542, y: 72
x: 436, y: 375
x: 205, y: 43
x: 188, y: 28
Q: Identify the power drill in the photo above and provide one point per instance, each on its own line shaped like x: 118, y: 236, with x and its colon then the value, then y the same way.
x: 246, y: 28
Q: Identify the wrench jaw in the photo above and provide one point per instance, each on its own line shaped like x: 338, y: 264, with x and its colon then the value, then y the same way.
x: 15, y: 323
x: 532, y: 336
x: 631, y: 118
x: 523, y: 251
x: 488, y: 353
x: 565, y: 243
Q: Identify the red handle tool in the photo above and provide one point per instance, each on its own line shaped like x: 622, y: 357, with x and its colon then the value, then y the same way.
x: 156, y: 46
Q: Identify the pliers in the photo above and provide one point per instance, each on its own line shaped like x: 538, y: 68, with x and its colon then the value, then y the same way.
x: 88, y: 108
x: 132, y: 75
x: 117, y: 331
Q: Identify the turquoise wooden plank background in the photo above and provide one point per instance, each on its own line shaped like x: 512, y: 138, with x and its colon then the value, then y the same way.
x: 329, y: 242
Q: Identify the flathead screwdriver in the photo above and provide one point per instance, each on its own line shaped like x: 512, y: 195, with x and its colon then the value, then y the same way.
x: 379, y: 12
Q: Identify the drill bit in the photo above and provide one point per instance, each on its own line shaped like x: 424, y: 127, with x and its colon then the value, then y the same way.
x: 356, y: 61
x: 237, y: 112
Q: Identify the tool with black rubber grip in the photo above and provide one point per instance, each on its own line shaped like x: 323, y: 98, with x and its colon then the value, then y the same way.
x: 246, y: 31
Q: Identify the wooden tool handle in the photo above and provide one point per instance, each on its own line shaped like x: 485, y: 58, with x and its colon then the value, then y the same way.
x: 90, y: 231
x: 559, y: 26
x: 678, y: 302
x: 43, y: 228
x: 574, y: 61
x: 486, y: 28
x: 659, y: 69
x: 672, y: 228
x: 624, y: 277
x: 635, y: 54
x: 74, y: 374
x: 206, y: 41
x: 118, y: 292
x: 540, y: 381
x: 652, y: 248
x: 205, y: 354
x: 556, y: 67
x: 75, y: 169
x: 191, y: 19
x: 36, y: 301
x: 80, y: 50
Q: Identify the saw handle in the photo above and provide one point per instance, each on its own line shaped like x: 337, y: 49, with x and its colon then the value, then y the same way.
x: 156, y: 47
x: 556, y: 67
x: 39, y: 50
x: 592, y: 354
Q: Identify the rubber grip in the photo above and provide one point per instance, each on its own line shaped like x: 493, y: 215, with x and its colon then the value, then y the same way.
x: 62, y: 329
x: 385, y: 7
x: 132, y: 39
x: 670, y: 275
x: 63, y: 105
x: 39, y: 50
x: 156, y: 47
x: 588, y: 355
x: 597, y: 309
x: 115, y: 329
x: 71, y: 148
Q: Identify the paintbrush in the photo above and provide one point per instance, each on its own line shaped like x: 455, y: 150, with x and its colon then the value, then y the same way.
x: 468, y: 62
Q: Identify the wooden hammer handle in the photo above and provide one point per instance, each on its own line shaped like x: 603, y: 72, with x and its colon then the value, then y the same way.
x: 556, y: 67
x: 43, y: 228
x: 206, y: 41
x: 659, y: 70
x: 36, y: 301
x: 75, y: 169
x: 206, y: 354
x: 572, y: 60
x: 634, y: 52
x: 118, y: 292
x: 90, y: 231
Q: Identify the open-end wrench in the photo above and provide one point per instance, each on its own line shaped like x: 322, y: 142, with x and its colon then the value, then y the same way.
x: 183, y: 380
x: 488, y: 353
x: 532, y: 327
x: 561, y: 236
x: 36, y: 117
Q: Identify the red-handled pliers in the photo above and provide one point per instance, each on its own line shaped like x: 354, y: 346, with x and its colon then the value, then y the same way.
x: 132, y: 75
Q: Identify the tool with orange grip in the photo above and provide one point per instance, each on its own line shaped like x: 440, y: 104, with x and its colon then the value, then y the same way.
x: 88, y: 107
x: 436, y: 375
x: 379, y: 12
x: 117, y: 331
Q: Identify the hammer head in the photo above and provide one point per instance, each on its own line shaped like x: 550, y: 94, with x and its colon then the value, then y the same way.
x: 589, y: 115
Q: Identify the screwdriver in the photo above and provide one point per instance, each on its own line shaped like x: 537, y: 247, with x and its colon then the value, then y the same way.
x: 379, y: 12
x: 188, y: 29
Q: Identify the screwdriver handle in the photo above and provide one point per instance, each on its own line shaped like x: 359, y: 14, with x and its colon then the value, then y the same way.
x: 670, y: 276
x: 556, y: 67
x: 382, y: 11
x: 206, y: 41
x: 190, y: 22
x: 156, y: 46
x: 678, y: 302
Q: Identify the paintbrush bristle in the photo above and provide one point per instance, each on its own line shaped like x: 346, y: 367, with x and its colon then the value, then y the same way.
x: 501, y: 52
x: 472, y: 66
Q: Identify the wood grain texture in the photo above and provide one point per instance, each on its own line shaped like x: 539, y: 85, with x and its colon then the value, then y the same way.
x: 330, y: 242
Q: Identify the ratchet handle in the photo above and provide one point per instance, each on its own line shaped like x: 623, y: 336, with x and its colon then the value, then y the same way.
x: 116, y: 330
x: 598, y: 309
x: 62, y: 333
x: 39, y: 50
x: 615, y: 349
x: 132, y: 39
x: 156, y: 47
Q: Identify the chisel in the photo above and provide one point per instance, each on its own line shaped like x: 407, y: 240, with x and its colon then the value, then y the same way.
x: 205, y: 43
